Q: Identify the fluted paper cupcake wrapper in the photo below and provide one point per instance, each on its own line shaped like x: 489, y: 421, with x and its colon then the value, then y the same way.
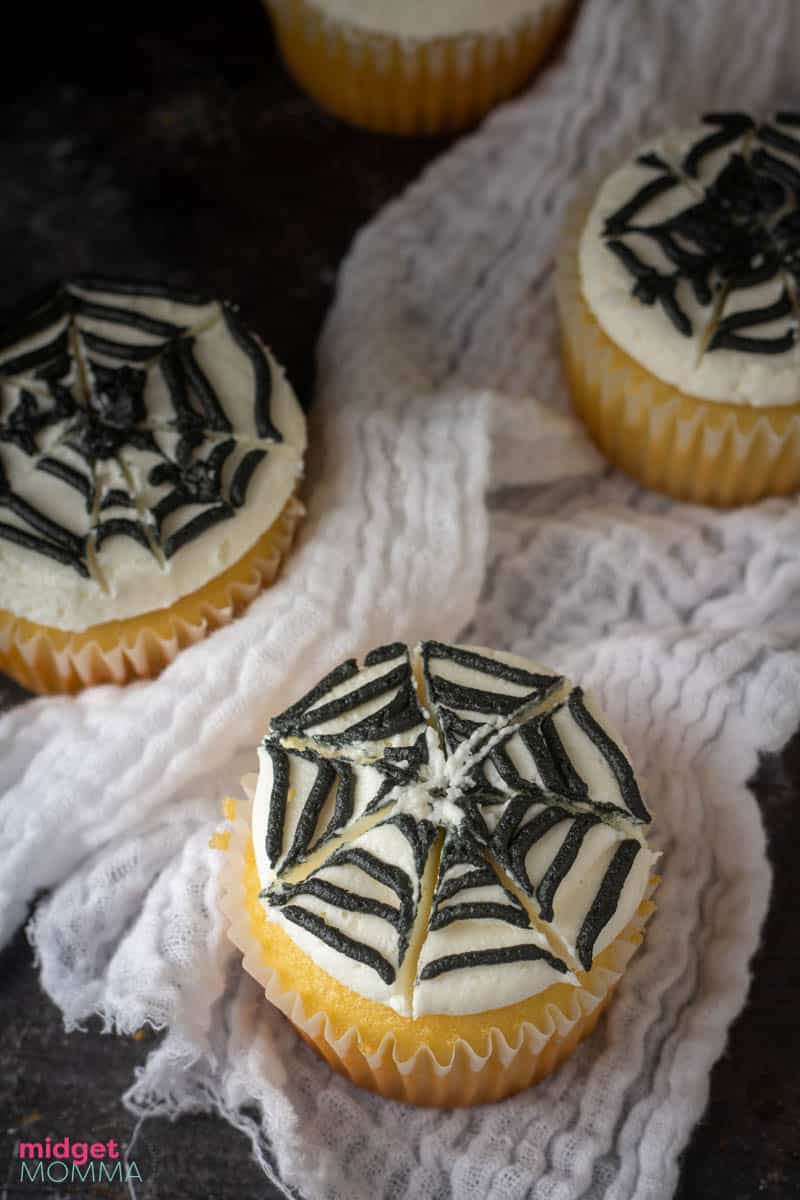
x: 690, y: 448
x: 410, y: 85
x: 50, y: 660
x: 471, y: 1075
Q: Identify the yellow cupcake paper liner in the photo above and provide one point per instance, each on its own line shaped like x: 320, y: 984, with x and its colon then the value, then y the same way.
x: 436, y: 1061
x: 692, y: 449
x: 49, y: 660
x: 410, y: 85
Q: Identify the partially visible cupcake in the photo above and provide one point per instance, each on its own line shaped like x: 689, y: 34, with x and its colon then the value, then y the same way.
x: 412, y: 66
x: 679, y: 294
x: 445, y: 872
x: 150, y: 448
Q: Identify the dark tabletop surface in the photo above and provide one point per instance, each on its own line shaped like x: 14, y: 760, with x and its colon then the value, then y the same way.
x: 164, y: 140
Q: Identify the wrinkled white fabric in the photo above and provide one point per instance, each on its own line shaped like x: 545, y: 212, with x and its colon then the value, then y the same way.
x: 685, y: 620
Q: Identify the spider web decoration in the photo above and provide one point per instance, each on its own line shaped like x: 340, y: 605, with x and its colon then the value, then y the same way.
x: 362, y: 781
x: 114, y: 405
x: 736, y: 232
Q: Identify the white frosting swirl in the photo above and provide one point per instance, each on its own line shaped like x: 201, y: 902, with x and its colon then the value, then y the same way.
x: 421, y: 19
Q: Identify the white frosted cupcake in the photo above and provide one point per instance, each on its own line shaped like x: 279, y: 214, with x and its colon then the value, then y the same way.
x: 445, y: 872
x: 411, y: 66
x: 150, y: 448
x: 678, y: 287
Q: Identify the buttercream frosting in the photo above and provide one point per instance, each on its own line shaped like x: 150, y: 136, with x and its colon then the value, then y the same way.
x: 147, y: 440
x: 421, y: 19
x: 448, y: 829
x: 690, y: 258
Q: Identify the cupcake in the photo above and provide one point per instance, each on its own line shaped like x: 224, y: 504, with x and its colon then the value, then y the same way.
x: 678, y: 293
x: 150, y: 448
x: 444, y: 874
x: 410, y: 66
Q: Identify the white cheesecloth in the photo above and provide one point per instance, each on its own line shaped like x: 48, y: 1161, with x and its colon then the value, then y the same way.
x: 445, y: 501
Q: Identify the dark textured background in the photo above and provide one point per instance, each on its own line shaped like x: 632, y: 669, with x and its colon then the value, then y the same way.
x: 165, y: 140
